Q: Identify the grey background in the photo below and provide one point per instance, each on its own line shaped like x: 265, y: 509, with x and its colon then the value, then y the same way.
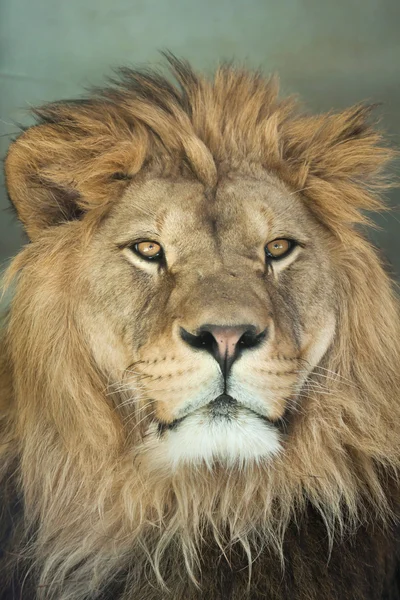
x: 333, y: 53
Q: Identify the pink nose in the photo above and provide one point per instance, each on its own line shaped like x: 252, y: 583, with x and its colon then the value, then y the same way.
x: 227, y: 339
x: 224, y: 343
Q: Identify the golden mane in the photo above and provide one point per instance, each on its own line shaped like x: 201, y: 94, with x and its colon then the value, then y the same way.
x: 63, y: 447
x: 235, y: 121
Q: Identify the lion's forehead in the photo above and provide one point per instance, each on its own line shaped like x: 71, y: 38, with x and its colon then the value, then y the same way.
x: 239, y: 211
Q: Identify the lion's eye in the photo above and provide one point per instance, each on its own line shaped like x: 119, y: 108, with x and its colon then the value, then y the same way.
x: 148, y: 250
x: 279, y: 248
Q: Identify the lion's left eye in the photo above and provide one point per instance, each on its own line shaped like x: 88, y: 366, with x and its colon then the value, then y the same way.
x: 279, y: 248
x: 148, y: 250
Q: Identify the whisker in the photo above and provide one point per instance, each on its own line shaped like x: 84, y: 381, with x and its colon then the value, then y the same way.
x: 329, y: 371
x: 131, y: 417
x: 140, y: 409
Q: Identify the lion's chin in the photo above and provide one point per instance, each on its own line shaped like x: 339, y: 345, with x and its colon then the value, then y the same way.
x: 222, y: 432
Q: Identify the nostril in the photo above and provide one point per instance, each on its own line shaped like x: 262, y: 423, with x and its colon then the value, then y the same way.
x: 203, y: 340
x: 251, y: 339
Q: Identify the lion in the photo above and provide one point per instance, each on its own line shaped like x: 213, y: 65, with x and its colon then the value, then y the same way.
x: 200, y: 362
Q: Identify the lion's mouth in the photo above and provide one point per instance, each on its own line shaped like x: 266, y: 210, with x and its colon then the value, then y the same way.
x: 226, y: 408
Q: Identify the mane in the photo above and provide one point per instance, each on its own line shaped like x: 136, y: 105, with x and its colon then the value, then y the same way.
x: 88, y: 505
x: 235, y: 122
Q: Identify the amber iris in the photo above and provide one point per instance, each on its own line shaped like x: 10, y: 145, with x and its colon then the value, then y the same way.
x: 278, y: 248
x: 148, y: 249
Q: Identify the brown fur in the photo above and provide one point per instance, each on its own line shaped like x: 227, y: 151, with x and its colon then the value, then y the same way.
x: 89, y: 359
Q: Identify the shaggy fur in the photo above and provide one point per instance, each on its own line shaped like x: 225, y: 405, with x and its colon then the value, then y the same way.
x: 86, y: 513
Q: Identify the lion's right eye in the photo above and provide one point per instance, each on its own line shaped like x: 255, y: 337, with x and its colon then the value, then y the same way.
x: 279, y: 248
x: 148, y: 250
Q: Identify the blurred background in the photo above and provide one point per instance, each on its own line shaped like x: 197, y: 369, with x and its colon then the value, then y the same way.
x: 332, y: 53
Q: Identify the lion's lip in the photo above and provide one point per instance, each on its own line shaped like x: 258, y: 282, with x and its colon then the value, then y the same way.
x: 222, y: 407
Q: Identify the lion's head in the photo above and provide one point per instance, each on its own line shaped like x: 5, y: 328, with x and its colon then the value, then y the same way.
x: 200, y: 339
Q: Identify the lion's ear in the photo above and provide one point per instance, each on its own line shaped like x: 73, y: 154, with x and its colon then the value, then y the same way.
x: 76, y: 158
x: 340, y: 160
x: 40, y: 181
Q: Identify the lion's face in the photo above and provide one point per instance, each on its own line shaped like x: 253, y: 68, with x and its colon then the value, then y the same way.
x: 211, y: 342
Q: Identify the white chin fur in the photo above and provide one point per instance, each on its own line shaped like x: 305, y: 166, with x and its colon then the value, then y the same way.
x: 200, y: 438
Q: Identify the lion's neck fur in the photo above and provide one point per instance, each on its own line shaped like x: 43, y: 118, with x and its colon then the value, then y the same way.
x: 88, y: 503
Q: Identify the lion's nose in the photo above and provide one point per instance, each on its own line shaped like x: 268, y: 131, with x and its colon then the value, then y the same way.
x: 225, y: 343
